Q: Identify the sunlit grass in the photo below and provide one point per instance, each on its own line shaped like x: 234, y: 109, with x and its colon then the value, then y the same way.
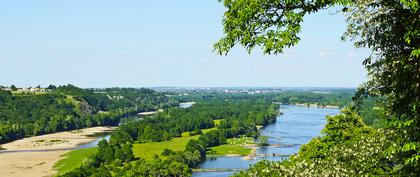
x: 74, y: 159
x: 228, y: 149
x: 149, y: 149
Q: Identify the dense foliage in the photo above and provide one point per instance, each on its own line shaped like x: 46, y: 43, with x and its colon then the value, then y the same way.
x: 69, y: 107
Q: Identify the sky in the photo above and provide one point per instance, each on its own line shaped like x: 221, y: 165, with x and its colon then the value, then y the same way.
x: 104, y: 43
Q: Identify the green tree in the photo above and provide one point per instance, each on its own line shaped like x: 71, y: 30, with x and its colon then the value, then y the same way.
x: 13, y: 88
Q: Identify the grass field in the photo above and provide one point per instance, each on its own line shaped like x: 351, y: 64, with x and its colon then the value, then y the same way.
x: 148, y: 150
x: 74, y: 159
x: 217, y: 122
x: 229, y: 150
x: 209, y: 129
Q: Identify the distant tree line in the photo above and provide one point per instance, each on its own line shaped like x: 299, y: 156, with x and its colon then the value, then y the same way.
x: 338, y: 98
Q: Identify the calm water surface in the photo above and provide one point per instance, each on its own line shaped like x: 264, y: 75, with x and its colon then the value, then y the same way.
x: 297, y: 126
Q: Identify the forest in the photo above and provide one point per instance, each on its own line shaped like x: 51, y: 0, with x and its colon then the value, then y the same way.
x: 68, y: 108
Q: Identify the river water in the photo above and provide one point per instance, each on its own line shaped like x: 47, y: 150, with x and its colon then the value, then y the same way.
x: 297, y: 126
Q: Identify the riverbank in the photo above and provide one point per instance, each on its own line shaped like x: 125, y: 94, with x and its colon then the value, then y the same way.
x: 316, y: 106
x: 147, y: 113
x: 36, y: 156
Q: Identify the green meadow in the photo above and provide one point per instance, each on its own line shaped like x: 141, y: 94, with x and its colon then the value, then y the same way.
x: 149, y: 149
x: 228, y: 149
x: 74, y: 159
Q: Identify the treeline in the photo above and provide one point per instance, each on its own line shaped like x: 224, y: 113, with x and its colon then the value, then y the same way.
x: 337, y: 98
x: 69, y: 107
x: 326, y: 97
x: 236, y: 118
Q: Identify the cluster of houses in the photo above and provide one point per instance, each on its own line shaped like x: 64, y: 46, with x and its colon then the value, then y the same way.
x: 25, y: 90
x: 252, y: 92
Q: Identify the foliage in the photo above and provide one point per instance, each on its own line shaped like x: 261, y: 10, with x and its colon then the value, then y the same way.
x: 391, y: 29
x: 156, y: 167
x: 270, y: 24
x: 263, y: 140
x: 240, y: 141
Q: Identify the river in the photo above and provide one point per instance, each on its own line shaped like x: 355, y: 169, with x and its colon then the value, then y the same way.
x: 297, y: 126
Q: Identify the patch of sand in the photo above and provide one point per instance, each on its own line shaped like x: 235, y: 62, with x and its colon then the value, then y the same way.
x: 149, y: 112
x: 22, y: 164
x: 28, y: 164
x: 60, y: 140
x: 251, y: 155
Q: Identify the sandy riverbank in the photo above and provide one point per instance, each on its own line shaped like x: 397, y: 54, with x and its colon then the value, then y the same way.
x: 251, y: 155
x: 22, y: 164
x: 149, y: 112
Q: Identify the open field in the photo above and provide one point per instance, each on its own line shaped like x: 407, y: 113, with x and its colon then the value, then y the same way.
x: 73, y: 159
x: 148, y: 150
x: 18, y: 164
x: 229, y: 150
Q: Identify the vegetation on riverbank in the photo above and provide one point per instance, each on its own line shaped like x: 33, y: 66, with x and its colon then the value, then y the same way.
x: 74, y: 159
x: 228, y: 149
x: 337, y: 99
x: 240, y: 141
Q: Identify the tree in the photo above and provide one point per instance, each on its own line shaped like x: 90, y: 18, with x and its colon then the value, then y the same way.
x: 13, y: 88
x: 390, y: 28
x: 51, y: 87
x: 263, y: 141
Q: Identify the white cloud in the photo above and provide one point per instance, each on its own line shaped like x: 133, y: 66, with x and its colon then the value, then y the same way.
x: 325, y: 53
x: 352, y: 54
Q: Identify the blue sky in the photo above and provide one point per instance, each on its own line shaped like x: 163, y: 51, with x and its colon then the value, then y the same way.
x: 160, y: 43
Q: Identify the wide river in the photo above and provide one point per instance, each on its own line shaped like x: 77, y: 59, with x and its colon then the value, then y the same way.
x: 297, y: 126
